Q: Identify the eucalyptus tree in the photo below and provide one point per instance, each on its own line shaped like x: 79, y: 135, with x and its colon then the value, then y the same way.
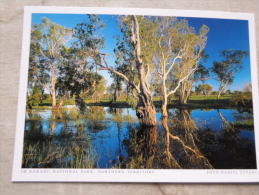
x: 185, y: 89
x: 226, y: 69
x: 48, y: 39
x: 76, y: 79
x: 116, y: 87
x: 204, y: 89
x: 136, y: 70
x: 179, y: 51
x: 79, y: 76
x: 36, y: 78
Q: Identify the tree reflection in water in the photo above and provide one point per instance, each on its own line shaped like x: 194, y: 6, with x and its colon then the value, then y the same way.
x: 118, y: 118
x: 141, y: 148
x: 60, y: 149
x: 227, y: 126
x: 69, y: 138
x: 95, y: 116
x: 181, y: 141
x: 179, y: 145
x: 53, y: 122
x: 226, y: 149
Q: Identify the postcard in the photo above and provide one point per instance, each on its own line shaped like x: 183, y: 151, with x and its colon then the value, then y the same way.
x: 137, y: 95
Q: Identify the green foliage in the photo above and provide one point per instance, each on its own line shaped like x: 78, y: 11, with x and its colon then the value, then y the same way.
x: 85, y: 34
x: 228, y: 92
x: 75, y: 67
x: 204, y: 89
x: 35, y: 98
x: 79, y: 75
x: 125, y: 59
x: 46, y: 154
x: 226, y: 69
x: 132, y: 101
x: 47, y: 41
x: 244, y: 124
x: 242, y: 99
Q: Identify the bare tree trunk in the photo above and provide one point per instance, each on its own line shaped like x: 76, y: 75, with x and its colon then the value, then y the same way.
x: 146, y: 111
x: 53, y: 87
x: 53, y: 122
x: 184, y: 93
x: 164, y: 107
x: 218, y: 95
x: 186, y: 98
x: 183, y: 99
x: 165, y: 98
x: 61, y: 102
x: 222, y: 88
x: 145, y: 108
x: 115, y: 94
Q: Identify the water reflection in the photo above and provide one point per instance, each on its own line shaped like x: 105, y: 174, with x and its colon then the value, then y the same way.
x: 231, y: 148
x: 181, y: 141
x: 65, y: 150
x: 105, y: 137
x: 141, y: 147
x: 171, y: 161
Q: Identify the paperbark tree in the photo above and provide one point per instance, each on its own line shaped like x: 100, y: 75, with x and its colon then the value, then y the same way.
x: 50, y: 39
x: 145, y: 109
x: 185, y: 89
x: 178, y: 54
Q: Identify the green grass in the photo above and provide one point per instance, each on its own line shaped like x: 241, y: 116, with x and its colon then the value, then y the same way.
x: 210, y: 97
x: 41, y: 107
x: 199, y: 101
x: 248, y: 124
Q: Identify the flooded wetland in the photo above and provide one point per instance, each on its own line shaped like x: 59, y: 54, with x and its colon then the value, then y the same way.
x: 106, y: 137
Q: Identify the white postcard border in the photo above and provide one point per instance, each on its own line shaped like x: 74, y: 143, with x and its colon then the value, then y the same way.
x: 129, y: 175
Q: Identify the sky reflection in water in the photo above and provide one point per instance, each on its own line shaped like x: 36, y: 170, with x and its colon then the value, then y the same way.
x: 108, y: 135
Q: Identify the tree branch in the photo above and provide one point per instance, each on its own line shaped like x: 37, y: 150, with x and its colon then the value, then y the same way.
x: 172, y: 65
x: 180, y: 81
x: 106, y: 67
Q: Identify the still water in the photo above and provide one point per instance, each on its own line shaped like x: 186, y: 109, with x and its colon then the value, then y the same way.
x: 104, y: 137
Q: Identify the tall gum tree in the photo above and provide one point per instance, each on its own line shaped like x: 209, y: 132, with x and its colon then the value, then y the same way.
x: 179, y: 50
x: 136, y: 75
x: 78, y: 75
x: 185, y: 89
x: 50, y: 38
x: 145, y: 107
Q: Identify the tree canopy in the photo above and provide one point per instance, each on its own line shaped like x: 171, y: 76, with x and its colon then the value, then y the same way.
x: 154, y: 56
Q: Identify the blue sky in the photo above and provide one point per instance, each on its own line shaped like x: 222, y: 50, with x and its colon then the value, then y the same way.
x: 223, y: 34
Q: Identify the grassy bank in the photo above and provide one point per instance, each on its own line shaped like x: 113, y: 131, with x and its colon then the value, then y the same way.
x: 244, y: 124
x: 211, y: 101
